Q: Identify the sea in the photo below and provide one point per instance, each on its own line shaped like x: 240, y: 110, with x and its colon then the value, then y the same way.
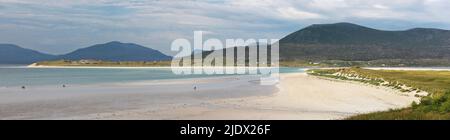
x: 19, y: 75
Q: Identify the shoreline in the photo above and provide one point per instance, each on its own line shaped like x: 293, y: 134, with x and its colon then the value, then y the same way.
x: 298, y: 96
x: 285, y: 104
x: 138, y: 67
x: 96, y: 67
x: 169, y: 67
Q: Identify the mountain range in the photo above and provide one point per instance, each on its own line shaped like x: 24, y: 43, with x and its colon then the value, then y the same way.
x: 111, y: 51
x: 13, y: 54
x: 339, y: 41
x: 351, y: 42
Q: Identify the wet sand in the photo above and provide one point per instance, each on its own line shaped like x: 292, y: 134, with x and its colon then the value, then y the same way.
x: 297, y: 96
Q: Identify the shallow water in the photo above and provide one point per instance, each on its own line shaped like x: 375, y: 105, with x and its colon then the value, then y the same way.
x: 13, y: 75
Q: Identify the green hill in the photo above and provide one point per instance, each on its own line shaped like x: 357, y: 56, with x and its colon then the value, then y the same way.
x: 351, y: 42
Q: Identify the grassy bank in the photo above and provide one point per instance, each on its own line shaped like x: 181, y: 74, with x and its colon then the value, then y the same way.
x: 372, y: 63
x: 283, y: 63
x: 436, y: 105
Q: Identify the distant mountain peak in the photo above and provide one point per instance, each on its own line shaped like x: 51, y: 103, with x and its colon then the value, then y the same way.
x: 115, y: 43
x: 117, y: 51
x: 348, y: 41
x: 13, y: 54
x: 426, y: 30
x: 9, y: 45
x: 338, y: 25
x: 110, y: 51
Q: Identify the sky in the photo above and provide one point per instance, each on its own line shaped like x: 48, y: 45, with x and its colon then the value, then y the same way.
x: 61, y: 26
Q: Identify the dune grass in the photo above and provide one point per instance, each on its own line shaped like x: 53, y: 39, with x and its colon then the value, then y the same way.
x: 435, y: 106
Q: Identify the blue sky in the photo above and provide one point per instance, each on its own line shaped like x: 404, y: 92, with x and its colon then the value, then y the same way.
x: 61, y: 26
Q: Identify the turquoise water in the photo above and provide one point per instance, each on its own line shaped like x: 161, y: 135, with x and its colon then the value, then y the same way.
x: 21, y: 76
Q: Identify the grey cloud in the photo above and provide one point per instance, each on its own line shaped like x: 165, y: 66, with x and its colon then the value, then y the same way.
x: 59, y: 26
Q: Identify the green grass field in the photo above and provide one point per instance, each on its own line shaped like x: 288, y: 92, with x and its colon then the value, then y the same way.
x: 435, y: 106
x: 372, y: 63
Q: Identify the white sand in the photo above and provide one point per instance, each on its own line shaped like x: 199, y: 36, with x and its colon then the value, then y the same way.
x: 299, y: 97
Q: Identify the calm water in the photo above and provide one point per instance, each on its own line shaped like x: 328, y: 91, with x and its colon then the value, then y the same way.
x: 20, y: 75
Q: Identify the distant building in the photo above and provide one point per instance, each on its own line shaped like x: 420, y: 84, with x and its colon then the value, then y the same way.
x: 86, y: 61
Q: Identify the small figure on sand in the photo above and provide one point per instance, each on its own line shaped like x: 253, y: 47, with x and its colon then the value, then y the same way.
x: 64, y: 86
x: 23, y: 87
x: 195, y: 88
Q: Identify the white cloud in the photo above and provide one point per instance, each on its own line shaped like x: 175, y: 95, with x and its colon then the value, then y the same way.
x: 292, y: 13
x: 377, y: 14
x: 328, y: 5
x: 380, y: 6
x: 142, y: 21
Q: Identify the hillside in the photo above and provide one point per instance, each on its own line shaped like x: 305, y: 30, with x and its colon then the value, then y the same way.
x: 13, y: 54
x: 116, y: 51
x: 351, y: 42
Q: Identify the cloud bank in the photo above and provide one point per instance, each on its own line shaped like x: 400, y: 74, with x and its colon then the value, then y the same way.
x: 59, y: 26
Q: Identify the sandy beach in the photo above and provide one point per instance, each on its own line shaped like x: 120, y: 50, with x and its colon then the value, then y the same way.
x: 298, y: 96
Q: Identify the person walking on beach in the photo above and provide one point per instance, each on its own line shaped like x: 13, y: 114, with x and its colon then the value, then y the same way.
x: 23, y: 87
x: 195, y: 88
